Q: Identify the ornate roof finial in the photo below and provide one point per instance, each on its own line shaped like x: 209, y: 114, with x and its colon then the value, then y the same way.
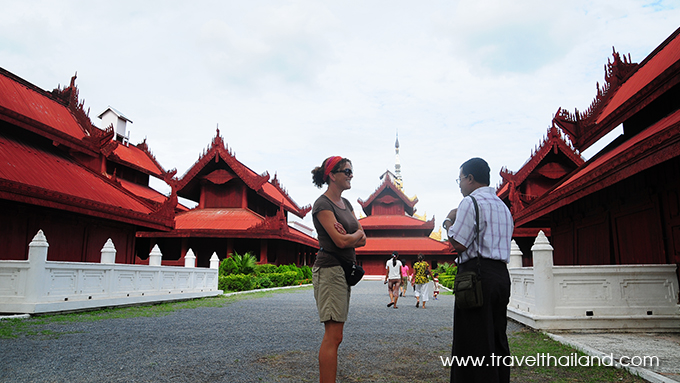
x: 397, y: 164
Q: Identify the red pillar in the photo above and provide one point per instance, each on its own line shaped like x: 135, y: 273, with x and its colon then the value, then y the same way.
x: 263, y: 251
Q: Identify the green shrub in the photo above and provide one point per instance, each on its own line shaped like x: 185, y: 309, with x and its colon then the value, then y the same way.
x: 227, y: 267
x: 303, y: 281
x: 447, y: 280
x: 265, y: 269
x: 263, y: 282
x: 235, y: 282
x: 245, y: 264
x: 306, y: 272
x: 283, y: 279
x: 300, y: 273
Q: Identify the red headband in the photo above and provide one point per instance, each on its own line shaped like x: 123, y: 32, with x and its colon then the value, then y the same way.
x: 330, y: 164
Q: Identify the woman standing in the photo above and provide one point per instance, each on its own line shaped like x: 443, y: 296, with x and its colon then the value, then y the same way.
x: 393, y: 278
x: 339, y: 233
x: 420, y: 272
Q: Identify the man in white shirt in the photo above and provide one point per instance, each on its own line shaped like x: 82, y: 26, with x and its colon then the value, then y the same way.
x: 481, y: 332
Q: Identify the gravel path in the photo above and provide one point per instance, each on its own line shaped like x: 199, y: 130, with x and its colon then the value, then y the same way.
x: 269, y: 339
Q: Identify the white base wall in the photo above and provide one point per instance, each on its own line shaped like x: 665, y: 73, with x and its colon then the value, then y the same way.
x: 616, y: 297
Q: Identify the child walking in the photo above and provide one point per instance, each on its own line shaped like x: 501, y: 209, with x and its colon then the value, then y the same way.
x: 435, y: 280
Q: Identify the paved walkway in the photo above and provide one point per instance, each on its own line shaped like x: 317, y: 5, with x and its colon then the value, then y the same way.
x: 269, y: 339
x: 621, y: 346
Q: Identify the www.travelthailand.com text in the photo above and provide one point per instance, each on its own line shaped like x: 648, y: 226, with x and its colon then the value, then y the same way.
x: 547, y: 360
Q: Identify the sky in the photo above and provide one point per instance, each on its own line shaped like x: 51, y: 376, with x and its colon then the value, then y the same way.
x: 290, y: 83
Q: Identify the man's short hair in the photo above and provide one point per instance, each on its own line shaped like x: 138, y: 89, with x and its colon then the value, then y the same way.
x: 479, y: 170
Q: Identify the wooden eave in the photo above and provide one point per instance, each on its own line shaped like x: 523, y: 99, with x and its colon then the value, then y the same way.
x: 47, y: 198
x: 56, y: 136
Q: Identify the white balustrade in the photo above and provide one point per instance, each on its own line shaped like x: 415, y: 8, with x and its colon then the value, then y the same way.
x: 631, y: 297
x: 515, y: 255
x: 39, y: 286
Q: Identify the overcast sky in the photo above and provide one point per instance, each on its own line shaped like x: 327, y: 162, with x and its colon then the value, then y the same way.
x: 291, y: 83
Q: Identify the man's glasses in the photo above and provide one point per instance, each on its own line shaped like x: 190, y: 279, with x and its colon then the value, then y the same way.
x: 348, y: 172
x: 459, y: 179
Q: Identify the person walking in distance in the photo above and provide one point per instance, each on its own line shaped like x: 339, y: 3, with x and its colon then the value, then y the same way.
x: 339, y: 233
x: 405, y: 276
x: 481, y: 332
x: 393, y: 278
x: 421, y: 270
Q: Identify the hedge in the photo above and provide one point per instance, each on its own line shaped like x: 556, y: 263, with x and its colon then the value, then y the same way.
x: 235, y: 282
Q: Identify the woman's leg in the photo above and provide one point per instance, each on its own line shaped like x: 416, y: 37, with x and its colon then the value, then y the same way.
x: 416, y: 288
x: 328, y: 352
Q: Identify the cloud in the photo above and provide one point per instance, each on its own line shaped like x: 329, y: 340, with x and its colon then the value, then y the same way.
x: 281, y: 44
x: 496, y: 36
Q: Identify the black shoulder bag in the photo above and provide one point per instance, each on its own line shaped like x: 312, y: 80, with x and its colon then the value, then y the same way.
x: 353, y: 272
x: 468, y: 285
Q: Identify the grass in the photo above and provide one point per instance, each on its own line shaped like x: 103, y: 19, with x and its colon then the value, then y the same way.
x: 12, y: 328
x: 530, y: 343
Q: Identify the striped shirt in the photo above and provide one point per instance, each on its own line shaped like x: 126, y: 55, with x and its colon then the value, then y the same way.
x: 495, y: 226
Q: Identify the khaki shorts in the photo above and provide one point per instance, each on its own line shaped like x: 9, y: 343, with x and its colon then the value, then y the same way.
x: 331, y: 293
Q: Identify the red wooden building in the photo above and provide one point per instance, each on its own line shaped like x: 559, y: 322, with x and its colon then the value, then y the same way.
x: 238, y: 211
x: 62, y: 174
x: 623, y: 205
x: 390, y: 226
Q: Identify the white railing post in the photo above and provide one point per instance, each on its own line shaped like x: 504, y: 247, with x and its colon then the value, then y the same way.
x: 108, y: 252
x: 214, y: 261
x: 543, y: 275
x: 515, y: 255
x: 190, y: 259
x: 155, y: 257
x: 37, y: 259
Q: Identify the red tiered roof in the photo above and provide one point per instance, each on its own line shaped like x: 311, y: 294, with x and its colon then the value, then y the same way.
x: 188, y: 185
x: 523, y: 187
x: 233, y: 222
x: 388, y: 184
x: 405, y: 246
x: 391, y: 222
x: 136, y: 157
x: 217, y: 219
x: 406, y: 235
x: 27, y: 103
x: 628, y: 89
x: 38, y: 171
x: 653, y: 145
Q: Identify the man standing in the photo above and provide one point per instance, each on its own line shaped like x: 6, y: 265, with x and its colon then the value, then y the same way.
x: 481, y: 332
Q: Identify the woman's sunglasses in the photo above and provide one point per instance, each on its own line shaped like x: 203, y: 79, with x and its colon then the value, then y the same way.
x: 348, y: 172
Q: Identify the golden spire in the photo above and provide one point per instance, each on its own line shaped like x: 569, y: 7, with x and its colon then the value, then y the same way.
x: 436, y: 235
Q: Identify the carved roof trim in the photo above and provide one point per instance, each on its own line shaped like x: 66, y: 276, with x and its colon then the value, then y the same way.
x: 581, y: 126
